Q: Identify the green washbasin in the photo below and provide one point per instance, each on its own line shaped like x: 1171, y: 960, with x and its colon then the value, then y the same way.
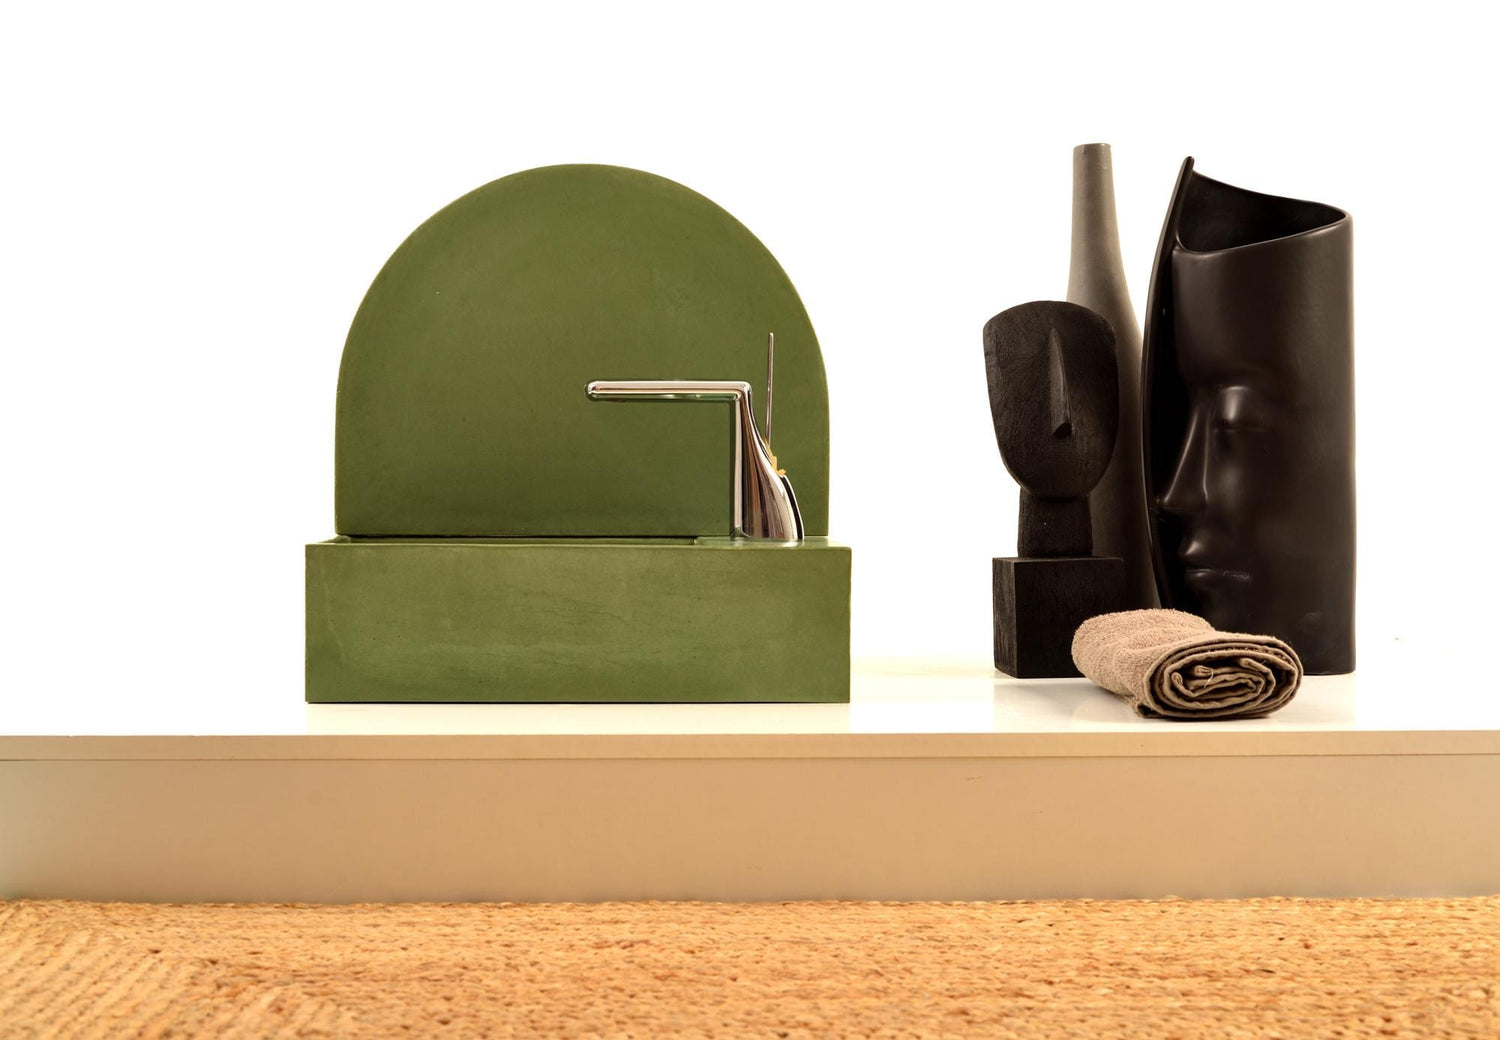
x: 503, y: 537
x: 576, y: 620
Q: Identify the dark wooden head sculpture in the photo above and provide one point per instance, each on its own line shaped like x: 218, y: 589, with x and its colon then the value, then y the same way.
x: 1054, y: 397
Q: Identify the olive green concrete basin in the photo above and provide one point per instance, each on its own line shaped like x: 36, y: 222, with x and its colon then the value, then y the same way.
x: 502, y: 537
x: 577, y: 620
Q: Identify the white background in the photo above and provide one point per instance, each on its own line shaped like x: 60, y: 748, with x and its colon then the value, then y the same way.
x: 195, y: 199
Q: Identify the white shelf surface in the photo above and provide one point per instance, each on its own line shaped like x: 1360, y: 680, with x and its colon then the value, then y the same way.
x: 939, y: 780
x: 1400, y: 698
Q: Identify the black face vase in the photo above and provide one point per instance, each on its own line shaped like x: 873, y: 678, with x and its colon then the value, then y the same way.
x: 1249, y: 416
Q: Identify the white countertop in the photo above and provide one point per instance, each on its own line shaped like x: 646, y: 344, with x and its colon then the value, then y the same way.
x: 947, y: 706
x: 939, y: 780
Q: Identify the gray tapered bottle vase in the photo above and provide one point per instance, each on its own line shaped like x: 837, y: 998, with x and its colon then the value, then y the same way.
x: 1096, y: 280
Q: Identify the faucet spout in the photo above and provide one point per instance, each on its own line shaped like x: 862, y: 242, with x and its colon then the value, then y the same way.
x: 765, y: 507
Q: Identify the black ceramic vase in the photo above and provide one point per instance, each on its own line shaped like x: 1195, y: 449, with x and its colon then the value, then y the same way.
x: 1096, y: 280
x: 1249, y: 416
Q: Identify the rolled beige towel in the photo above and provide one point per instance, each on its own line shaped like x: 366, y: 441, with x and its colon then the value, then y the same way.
x: 1173, y: 665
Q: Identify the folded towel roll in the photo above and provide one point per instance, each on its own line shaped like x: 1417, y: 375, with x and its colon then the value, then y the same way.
x: 1173, y: 665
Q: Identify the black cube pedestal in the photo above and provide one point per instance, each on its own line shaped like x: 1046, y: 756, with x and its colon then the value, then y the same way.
x: 1039, y: 603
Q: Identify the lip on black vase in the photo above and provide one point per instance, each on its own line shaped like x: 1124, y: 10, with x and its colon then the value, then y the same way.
x: 1201, y: 574
x: 1248, y: 417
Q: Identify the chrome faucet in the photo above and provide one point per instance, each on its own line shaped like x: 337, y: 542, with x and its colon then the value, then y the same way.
x: 765, y: 507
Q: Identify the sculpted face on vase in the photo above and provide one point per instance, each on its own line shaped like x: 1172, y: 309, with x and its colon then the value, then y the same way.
x: 1246, y: 509
x: 1251, y: 421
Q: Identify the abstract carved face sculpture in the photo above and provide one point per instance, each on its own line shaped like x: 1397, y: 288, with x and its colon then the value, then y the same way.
x: 1249, y: 416
x: 1054, y: 398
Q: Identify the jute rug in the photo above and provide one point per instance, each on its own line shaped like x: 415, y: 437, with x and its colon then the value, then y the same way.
x: 1259, y: 968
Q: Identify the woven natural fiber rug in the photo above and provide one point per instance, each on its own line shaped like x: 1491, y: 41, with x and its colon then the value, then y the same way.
x: 1258, y: 968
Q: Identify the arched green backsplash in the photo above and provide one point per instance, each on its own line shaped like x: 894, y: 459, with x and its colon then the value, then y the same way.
x: 461, y: 405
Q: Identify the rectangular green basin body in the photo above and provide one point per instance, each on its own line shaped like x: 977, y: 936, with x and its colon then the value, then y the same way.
x: 576, y: 620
